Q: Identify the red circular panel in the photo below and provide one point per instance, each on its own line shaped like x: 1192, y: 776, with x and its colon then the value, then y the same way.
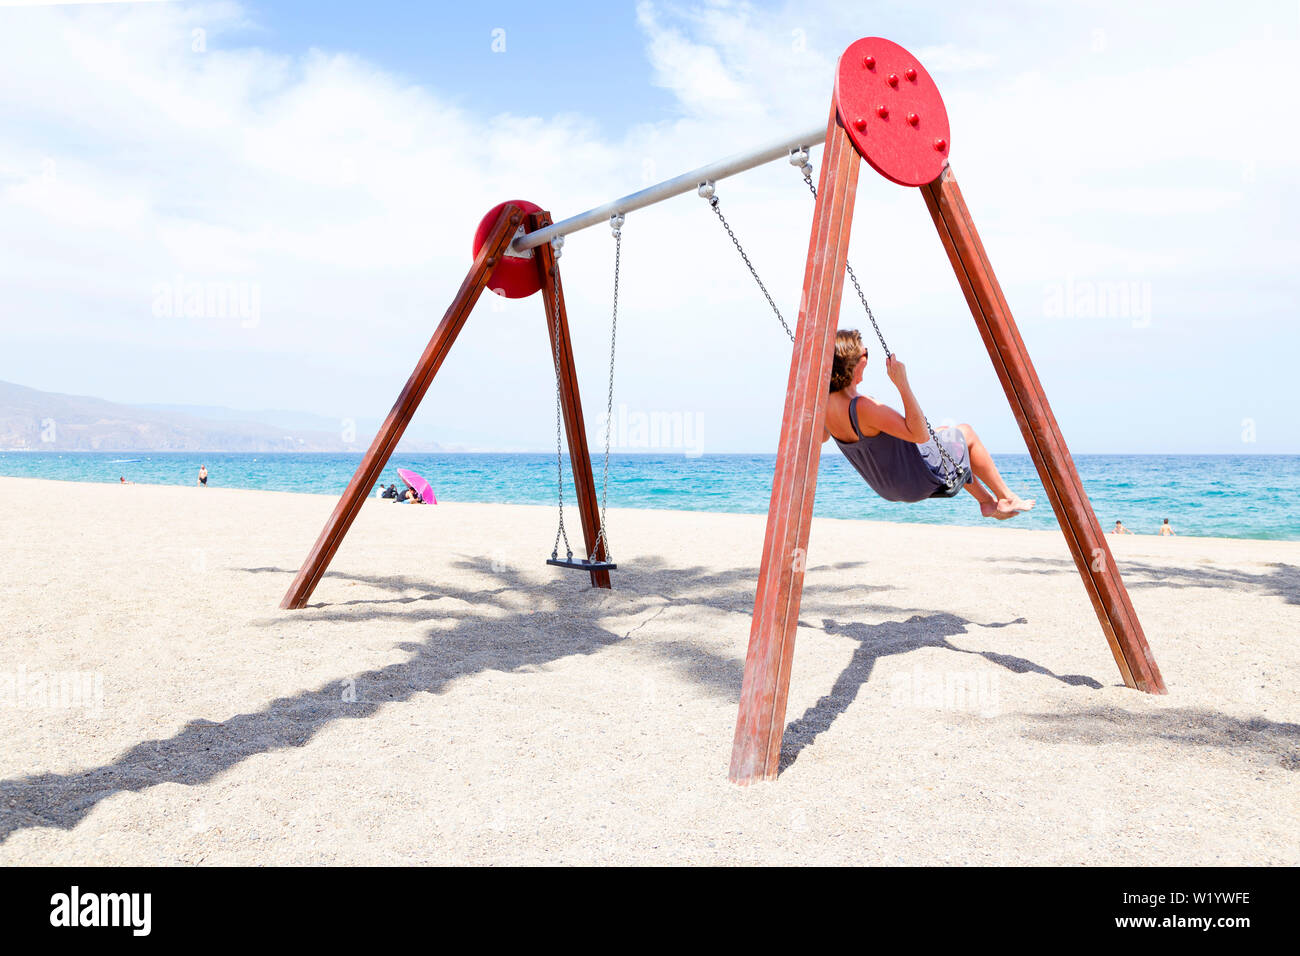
x: 892, y: 111
x: 514, y: 277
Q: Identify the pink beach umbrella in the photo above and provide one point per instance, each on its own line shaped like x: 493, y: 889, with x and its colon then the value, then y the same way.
x: 419, y: 484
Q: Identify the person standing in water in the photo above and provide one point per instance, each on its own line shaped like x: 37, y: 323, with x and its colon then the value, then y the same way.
x: 203, y: 475
x: 1165, y: 529
x: 1120, y: 529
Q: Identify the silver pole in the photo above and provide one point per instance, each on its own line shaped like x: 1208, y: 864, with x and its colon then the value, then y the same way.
x: 671, y: 187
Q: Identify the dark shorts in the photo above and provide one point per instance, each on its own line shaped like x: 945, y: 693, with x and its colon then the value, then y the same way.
x: 954, y: 442
x: 203, y: 480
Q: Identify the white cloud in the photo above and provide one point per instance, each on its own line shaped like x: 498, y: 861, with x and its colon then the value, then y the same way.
x: 127, y: 158
x: 693, y: 71
x: 69, y: 3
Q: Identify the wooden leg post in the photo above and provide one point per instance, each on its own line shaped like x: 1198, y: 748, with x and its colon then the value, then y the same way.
x: 574, y: 425
x: 756, y: 751
x: 381, y: 449
x: 1047, y: 447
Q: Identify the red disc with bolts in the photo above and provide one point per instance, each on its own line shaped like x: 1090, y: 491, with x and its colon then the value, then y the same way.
x: 892, y: 111
x: 515, y: 276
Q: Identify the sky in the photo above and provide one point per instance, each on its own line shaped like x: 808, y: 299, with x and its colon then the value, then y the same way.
x: 1131, y: 168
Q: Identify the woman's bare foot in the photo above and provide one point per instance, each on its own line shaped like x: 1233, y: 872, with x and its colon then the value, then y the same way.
x: 1005, y: 508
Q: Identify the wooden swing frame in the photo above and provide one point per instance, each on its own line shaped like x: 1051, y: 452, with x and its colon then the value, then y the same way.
x: 756, y: 748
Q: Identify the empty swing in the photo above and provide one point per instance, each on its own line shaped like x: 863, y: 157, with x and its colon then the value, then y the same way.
x: 601, y: 546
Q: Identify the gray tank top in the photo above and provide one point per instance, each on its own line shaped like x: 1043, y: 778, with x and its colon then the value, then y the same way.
x: 897, y: 470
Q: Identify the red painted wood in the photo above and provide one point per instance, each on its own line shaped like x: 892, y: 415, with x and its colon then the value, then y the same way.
x: 892, y: 110
x: 381, y: 449
x: 760, y: 725
x: 1087, y: 542
x: 548, y: 275
x: 515, y: 277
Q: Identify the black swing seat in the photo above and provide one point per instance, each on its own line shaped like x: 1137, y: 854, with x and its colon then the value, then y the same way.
x: 582, y: 564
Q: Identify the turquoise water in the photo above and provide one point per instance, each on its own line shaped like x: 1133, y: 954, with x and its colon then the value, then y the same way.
x: 1235, y: 496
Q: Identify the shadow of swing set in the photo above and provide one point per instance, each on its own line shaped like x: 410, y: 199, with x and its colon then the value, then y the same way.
x: 886, y: 110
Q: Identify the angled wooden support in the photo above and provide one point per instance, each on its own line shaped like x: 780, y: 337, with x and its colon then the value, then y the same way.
x: 570, y: 401
x: 756, y: 750
x: 1047, y: 447
x: 381, y: 449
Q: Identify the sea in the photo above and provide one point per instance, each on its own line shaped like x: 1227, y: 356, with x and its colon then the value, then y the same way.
x: 1231, y: 496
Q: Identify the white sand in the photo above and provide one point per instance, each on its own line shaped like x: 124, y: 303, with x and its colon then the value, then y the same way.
x: 953, y: 698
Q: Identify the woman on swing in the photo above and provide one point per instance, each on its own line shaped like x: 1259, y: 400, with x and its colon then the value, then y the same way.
x: 895, y: 453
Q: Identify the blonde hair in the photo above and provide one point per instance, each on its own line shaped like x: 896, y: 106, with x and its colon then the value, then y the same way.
x: 848, y: 350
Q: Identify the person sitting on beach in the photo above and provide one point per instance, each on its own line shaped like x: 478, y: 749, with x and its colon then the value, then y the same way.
x: 1165, y: 529
x: 893, y: 451
x: 390, y: 492
x: 1120, y: 529
x: 413, y: 497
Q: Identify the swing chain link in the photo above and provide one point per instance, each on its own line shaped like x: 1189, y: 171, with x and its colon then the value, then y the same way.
x: 717, y: 211
x: 951, y: 471
x: 560, y: 531
x: 602, y: 539
x: 807, y: 171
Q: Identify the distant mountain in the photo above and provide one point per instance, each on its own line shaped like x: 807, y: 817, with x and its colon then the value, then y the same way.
x: 286, y: 420
x: 47, y: 421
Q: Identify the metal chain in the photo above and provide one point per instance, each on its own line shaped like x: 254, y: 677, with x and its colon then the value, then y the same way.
x: 560, y: 532
x: 807, y: 178
x: 602, y: 539
x: 952, y: 471
x: 713, y: 204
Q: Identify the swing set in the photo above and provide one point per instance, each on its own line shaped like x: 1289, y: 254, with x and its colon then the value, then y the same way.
x: 886, y: 110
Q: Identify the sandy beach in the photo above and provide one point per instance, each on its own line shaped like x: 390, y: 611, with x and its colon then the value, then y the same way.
x: 448, y: 698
